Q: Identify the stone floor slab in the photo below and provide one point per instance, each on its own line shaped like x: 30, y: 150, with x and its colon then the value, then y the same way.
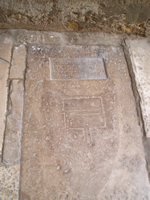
x: 4, y: 69
x: 18, y: 62
x: 5, y: 57
x: 81, y: 138
x: 5, y: 47
x: 140, y: 57
x: 13, y: 132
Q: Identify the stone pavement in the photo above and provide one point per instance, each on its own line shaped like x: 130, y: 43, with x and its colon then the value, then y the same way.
x: 74, y: 110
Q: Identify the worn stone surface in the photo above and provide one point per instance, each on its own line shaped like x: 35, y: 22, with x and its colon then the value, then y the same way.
x: 118, y: 16
x: 4, y: 69
x: 140, y: 57
x: 13, y: 133
x: 5, y: 47
x: 81, y: 138
x: 18, y: 62
x: 9, y: 182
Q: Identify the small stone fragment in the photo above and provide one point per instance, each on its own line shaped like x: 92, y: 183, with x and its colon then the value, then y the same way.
x: 67, y: 171
x: 58, y: 167
x: 48, y: 138
x: 35, y: 154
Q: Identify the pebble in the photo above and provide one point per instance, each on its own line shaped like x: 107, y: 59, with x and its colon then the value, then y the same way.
x: 58, y: 167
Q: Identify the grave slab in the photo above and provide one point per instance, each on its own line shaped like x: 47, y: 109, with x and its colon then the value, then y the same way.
x: 81, y: 138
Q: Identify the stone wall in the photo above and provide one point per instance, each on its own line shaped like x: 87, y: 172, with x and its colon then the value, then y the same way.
x: 118, y: 16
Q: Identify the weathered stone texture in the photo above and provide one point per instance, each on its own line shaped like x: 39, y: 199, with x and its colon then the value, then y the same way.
x: 77, y: 69
x: 5, y: 47
x: 67, y: 38
x: 9, y: 182
x: 140, y: 57
x: 81, y: 138
x: 13, y: 133
x: 118, y: 16
x: 18, y: 62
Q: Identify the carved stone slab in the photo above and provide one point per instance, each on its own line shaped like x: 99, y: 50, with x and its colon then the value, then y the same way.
x: 81, y: 138
x: 77, y: 68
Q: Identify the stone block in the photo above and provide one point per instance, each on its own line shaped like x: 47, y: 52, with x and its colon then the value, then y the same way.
x: 18, y: 64
x: 13, y: 133
x: 4, y: 69
x: 140, y: 58
x: 5, y: 47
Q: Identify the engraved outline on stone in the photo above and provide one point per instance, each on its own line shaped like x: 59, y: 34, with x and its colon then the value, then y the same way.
x: 101, y: 76
x: 86, y: 132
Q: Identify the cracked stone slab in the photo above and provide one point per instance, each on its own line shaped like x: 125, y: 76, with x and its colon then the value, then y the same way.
x: 13, y: 132
x: 81, y: 138
x: 9, y: 182
x: 4, y: 69
x: 140, y: 58
x: 18, y: 62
